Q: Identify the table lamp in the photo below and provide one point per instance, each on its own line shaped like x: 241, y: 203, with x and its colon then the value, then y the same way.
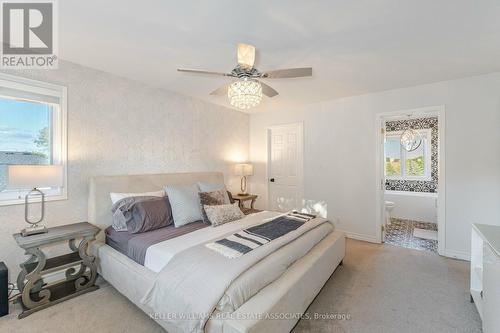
x: 243, y: 170
x: 34, y: 177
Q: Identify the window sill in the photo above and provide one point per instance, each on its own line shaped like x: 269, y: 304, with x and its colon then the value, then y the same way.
x: 412, y: 193
x: 13, y: 202
x: 409, y: 179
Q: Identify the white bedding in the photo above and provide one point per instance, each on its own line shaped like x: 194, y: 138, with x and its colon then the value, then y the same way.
x: 189, y: 288
x: 270, y: 269
x: 158, y: 255
x: 246, y: 285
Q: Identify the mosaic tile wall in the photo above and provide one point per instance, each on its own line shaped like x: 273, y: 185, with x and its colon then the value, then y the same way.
x: 417, y: 185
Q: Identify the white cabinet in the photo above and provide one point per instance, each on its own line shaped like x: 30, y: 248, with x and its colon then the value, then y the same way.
x: 485, y: 274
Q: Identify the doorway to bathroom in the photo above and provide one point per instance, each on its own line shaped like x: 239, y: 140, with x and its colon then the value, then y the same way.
x: 410, y: 192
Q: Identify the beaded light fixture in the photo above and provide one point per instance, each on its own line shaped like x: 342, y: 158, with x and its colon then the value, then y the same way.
x: 410, y: 139
x: 245, y: 94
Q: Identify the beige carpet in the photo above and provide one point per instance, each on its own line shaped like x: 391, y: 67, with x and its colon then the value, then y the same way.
x: 378, y: 289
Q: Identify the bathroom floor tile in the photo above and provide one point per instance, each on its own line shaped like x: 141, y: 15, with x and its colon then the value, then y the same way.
x: 425, y: 233
x: 401, y: 233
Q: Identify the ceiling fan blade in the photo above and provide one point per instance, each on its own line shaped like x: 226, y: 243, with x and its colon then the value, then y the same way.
x: 267, y: 90
x: 287, y: 73
x: 197, y: 71
x: 221, y: 90
x: 246, y: 55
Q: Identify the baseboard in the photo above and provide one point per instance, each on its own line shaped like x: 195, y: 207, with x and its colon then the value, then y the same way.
x: 462, y: 255
x: 361, y: 237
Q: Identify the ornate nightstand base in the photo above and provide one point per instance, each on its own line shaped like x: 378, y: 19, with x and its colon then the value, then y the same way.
x: 78, y: 268
x: 66, y: 290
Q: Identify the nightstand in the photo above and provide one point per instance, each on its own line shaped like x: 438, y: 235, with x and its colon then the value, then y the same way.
x: 241, y: 202
x: 36, y: 294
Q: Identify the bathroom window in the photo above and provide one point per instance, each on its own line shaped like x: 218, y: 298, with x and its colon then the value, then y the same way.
x: 32, y: 131
x: 392, y: 157
x: 402, y: 164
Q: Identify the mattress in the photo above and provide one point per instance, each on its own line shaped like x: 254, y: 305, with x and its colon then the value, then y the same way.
x: 154, y: 249
x: 159, y: 254
x: 135, y: 246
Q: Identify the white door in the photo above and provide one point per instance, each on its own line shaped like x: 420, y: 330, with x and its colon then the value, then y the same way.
x: 285, y: 167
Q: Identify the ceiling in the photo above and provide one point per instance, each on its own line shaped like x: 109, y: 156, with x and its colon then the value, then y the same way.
x: 354, y: 47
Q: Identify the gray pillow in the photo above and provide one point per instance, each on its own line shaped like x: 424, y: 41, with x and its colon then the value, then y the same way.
x: 122, y: 213
x: 210, y: 187
x: 141, y: 214
x: 185, y: 204
x: 150, y: 215
x: 223, y: 213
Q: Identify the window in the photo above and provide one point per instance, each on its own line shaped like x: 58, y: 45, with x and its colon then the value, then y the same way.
x: 392, y: 157
x: 411, y: 165
x: 32, y: 131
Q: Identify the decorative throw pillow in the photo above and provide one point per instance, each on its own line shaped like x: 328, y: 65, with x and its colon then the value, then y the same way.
x: 185, y: 204
x: 210, y: 187
x: 221, y: 214
x: 115, y: 197
x: 213, y: 198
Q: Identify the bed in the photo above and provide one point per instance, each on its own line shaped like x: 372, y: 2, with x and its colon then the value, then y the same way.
x: 284, y: 282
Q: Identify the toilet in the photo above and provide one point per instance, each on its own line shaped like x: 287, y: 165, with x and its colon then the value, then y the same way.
x: 389, y: 206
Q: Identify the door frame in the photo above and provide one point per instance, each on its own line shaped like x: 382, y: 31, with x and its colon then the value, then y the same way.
x: 300, y: 171
x: 440, y: 111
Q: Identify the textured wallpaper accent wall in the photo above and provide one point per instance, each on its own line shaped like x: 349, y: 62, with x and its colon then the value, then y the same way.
x: 119, y: 126
x: 417, y: 185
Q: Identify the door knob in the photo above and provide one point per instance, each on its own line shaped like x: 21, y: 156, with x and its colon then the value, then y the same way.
x: 271, y: 180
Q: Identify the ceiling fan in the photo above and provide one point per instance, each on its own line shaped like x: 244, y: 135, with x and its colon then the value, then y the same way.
x: 247, y: 91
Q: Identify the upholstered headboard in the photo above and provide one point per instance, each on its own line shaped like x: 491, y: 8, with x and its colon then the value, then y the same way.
x: 100, y: 187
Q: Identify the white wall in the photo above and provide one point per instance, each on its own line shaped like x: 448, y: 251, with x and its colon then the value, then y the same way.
x: 413, y: 206
x: 119, y: 126
x: 340, y: 153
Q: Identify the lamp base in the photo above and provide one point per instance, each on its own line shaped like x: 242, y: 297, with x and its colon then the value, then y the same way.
x: 34, y: 230
x: 242, y: 194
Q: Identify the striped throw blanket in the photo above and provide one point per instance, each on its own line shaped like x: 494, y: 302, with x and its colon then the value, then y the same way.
x: 246, y: 240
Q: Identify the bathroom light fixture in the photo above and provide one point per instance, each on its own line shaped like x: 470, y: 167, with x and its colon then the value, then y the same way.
x: 411, y: 139
x: 245, y: 94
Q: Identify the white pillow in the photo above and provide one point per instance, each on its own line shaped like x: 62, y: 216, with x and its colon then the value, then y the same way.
x: 221, y: 214
x: 185, y: 204
x: 210, y: 187
x: 115, y: 197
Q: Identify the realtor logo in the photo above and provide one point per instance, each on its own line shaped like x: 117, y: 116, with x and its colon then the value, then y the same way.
x: 29, y: 34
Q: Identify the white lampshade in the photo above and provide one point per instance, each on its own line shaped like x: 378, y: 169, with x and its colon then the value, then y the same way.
x: 246, y: 55
x: 31, y: 176
x: 243, y: 169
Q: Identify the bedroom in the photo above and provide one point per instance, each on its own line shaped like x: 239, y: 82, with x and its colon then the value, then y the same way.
x: 114, y: 115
